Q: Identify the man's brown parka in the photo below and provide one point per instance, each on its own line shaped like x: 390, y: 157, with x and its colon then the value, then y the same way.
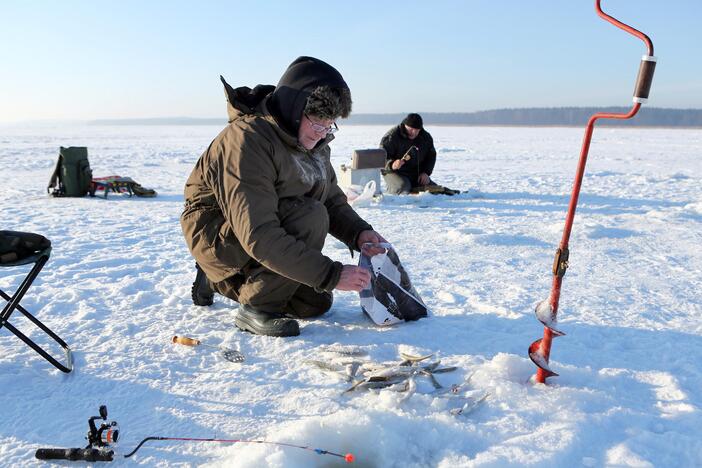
x: 235, y: 195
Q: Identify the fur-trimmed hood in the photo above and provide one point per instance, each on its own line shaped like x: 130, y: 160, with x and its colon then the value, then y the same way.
x: 286, y: 101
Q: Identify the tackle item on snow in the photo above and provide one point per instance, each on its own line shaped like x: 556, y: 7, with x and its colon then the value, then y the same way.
x: 348, y: 457
x: 100, y: 439
x: 228, y: 354
x: 26, y: 248
x: 72, y: 175
x: 390, y: 297
x: 435, y: 190
x: 547, y: 310
x: 120, y: 185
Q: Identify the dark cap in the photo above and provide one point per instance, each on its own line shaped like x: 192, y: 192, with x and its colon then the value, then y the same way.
x: 414, y: 121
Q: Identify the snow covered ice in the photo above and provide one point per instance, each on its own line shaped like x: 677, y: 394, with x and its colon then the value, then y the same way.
x: 117, y: 289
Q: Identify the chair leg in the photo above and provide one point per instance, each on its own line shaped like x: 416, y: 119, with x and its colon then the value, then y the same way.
x: 67, y: 368
x: 14, y: 301
x: 14, y: 304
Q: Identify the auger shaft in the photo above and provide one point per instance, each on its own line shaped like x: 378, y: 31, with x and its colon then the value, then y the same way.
x: 540, y: 350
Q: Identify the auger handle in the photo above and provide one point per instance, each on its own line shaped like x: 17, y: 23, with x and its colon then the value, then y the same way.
x: 645, y: 78
x: 648, y: 61
x: 184, y: 340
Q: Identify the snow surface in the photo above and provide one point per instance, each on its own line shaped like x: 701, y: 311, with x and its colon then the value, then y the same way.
x: 117, y: 288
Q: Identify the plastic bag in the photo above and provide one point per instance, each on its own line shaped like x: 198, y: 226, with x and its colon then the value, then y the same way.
x: 358, y: 195
x: 390, y: 297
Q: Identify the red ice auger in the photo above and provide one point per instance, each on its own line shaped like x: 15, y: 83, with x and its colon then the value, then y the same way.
x: 547, y: 310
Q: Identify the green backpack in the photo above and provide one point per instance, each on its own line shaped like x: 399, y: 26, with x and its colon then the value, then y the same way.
x: 72, y: 175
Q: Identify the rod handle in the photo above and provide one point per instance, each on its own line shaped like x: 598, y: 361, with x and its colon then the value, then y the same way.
x: 645, y: 78
x: 74, y: 454
x: 52, y: 454
x: 184, y: 340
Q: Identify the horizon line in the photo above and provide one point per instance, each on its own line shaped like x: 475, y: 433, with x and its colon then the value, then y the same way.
x: 166, y: 119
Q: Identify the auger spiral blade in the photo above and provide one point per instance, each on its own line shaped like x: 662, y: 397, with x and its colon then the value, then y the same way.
x: 545, y: 314
x: 537, y: 356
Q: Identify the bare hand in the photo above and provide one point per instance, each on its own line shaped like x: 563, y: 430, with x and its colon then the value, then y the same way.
x: 373, y: 238
x: 353, y: 278
x: 396, y: 164
x: 424, y: 179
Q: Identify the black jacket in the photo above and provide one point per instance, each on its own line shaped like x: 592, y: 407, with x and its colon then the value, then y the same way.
x: 396, y: 143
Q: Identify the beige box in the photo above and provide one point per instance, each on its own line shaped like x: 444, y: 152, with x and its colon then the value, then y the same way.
x: 368, y: 158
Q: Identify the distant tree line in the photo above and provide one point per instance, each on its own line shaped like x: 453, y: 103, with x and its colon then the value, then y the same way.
x: 535, y: 116
x: 566, y: 116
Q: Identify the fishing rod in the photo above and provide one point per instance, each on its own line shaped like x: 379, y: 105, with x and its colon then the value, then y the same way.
x: 349, y: 457
x: 411, y: 151
x: 102, y: 439
x: 547, y: 310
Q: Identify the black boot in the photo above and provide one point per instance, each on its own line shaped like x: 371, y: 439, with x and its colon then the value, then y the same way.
x: 201, y: 292
x: 265, y: 323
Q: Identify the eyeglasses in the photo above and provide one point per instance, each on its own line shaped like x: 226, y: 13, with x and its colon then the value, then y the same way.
x: 333, y: 128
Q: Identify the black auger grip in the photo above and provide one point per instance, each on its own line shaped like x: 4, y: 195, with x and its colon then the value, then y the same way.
x: 645, y: 78
x: 74, y: 454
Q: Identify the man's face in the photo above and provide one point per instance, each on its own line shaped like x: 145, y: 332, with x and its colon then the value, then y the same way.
x: 412, y: 132
x: 312, y: 130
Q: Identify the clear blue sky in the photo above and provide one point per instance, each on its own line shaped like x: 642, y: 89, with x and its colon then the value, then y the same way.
x: 118, y: 59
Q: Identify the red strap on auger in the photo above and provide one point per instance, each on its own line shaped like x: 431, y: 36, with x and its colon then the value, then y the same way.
x: 547, y: 310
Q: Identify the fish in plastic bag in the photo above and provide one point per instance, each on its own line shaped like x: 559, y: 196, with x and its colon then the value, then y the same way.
x: 390, y: 297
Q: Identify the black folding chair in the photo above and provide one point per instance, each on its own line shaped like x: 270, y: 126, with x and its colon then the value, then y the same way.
x: 24, y: 248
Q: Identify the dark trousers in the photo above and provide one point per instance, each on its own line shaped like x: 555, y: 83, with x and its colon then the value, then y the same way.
x: 307, y: 220
x: 396, y: 184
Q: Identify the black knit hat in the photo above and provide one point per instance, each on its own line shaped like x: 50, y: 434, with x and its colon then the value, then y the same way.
x: 413, y: 121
